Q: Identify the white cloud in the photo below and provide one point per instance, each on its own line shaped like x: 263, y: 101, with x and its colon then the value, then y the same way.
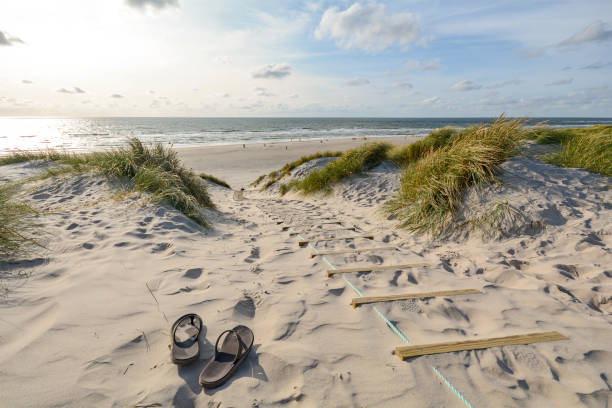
x: 504, y: 83
x: 276, y: 71
x: 158, y: 4
x: 357, y: 82
x: 116, y: 96
x: 563, y: 81
x: 432, y: 65
x: 597, y: 31
x: 223, y: 95
x: 222, y: 60
x: 368, y: 27
x: 465, y: 85
x: 402, y: 85
x: 74, y: 90
x: 7, y: 40
x: 263, y: 92
x: 430, y: 101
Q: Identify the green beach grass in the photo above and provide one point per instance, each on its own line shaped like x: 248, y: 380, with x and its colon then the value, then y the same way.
x: 277, y: 175
x: 406, y: 154
x: 14, y: 222
x: 432, y: 188
x: 213, y: 179
x: 350, y: 162
x: 589, y: 148
x: 155, y: 169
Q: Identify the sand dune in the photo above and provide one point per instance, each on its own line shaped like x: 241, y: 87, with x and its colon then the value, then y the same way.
x: 85, y: 322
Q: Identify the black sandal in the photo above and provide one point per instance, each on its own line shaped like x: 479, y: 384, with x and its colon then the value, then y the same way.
x: 234, y: 350
x: 185, y: 348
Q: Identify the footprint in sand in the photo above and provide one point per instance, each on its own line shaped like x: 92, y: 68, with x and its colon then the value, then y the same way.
x: 253, y: 255
x: 161, y: 247
x: 245, y: 308
x: 193, y: 273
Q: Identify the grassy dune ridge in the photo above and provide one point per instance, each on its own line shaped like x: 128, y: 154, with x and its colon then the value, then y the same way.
x: 589, y: 148
x: 277, y: 175
x: 350, y: 162
x: 432, y: 188
x: 439, y: 168
x: 155, y: 169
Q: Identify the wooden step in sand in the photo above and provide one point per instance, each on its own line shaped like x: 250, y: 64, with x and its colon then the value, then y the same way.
x: 328, y: 230
x: 331, y: 272
x: 405, y: 352
x: 350, y: 251
x: 286, y: 227
x: 305, y: 242
x: 376, y: 299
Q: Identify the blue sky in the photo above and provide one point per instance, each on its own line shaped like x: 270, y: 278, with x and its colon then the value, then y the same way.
x: 305, y: 58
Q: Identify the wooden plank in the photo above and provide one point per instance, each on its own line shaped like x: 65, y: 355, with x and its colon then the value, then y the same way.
x: 327, y: 230
x: 405, y: 352
x: 285, y: 228
x: 375, y: 299
x: 331, y: 272
x: 350, y: 251
x: 304, y: 243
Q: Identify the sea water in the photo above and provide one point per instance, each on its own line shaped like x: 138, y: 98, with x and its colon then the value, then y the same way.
x: 86, y: 134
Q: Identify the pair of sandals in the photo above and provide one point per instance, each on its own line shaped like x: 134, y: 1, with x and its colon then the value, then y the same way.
x: 235, y: 347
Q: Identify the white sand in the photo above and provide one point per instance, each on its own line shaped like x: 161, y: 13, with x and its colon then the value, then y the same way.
x: 79, y: 327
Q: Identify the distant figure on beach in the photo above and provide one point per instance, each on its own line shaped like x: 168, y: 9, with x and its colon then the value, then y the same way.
x: 243, y: 146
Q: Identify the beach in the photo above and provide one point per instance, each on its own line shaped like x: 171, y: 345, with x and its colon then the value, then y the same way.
x: 86, y: 318
x: 313, y: 204
x: 240, y: 166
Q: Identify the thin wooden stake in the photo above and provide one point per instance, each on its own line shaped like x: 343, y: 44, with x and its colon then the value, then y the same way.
x: 304, y: 243
x: 328, y: 230
x: 331, y: 272
x: 350, y: 251
x: 285, y: 228
x: 375, y: 299
x: 405, y: 352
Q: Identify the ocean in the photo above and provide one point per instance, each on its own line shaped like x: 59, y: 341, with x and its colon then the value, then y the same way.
x: 86, y: 134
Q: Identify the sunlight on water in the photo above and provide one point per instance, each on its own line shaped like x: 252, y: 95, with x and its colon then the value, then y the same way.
x: 102, y: 133
x: 38, y: 133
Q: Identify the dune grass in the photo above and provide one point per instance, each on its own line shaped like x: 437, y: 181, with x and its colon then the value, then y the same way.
x: 548, y: 135
x: 258, y: 180
x: 432, y: 188
x: 350, y: 162
x: 155, y: 169
x: 277, y: 175
x: 406, y: 154
x: 13, y: 222
x: 215, y: 180
x: 72, y: 159
x: 591, y: 151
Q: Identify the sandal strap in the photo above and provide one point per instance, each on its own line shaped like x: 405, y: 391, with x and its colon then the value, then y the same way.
x: 193, y: 318
x: 241, y: 345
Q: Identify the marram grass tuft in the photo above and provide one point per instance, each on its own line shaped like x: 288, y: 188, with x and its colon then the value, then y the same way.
x: 432, y: 188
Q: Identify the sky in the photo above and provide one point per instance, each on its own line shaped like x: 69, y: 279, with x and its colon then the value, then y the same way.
x: 248, y: 58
